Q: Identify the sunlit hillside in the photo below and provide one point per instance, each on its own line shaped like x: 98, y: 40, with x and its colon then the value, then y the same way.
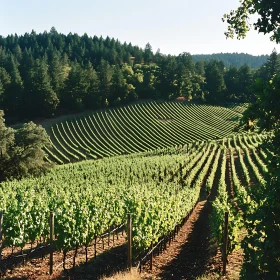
x: 138, y: 128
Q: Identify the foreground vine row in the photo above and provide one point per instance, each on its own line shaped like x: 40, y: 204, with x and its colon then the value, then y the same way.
x: 159, y: 188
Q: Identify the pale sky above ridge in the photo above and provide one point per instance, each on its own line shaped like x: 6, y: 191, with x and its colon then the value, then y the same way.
x: 174, y: 27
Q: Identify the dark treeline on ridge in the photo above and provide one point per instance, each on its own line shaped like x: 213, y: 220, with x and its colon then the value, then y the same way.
x: 45, y: 74
x: 234, y: 59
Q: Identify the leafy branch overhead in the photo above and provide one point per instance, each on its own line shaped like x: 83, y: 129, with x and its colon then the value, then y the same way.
x: 268, y: 21
x: 261, y: 245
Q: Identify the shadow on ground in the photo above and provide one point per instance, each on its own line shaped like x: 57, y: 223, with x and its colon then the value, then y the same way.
x: 195, y: 254
x: 105, y: 264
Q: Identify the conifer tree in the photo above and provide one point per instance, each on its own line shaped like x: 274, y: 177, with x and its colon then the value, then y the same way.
x: 93, y: 97
x: 272, y: 65
x: 3, y: 57
x: 5, y: 80
x: 56, y: 71
x: 76, y: 87
x: 245, y: 78
x: 148, y: 53
x: 215, y: 83
x: 117, y: 87
x: 45, y: 100
x: 232, y: 84
x: 14, y: 92
x: 105, y: 76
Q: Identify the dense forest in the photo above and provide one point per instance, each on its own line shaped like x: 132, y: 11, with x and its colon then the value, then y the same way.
x: 46, y: 74
x: 234, y: 59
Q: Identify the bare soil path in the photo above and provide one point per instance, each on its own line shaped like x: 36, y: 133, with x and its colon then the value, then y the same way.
x: 109, y: 260
x: 190, y: 254
x: 193, y: 254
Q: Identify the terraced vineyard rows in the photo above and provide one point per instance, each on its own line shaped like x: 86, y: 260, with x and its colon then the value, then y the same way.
x: 159, y: 188
x: 138, y: 128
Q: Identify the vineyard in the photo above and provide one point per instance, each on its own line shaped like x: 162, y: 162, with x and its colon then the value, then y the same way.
x: 159, y: 188
x: 138, y: 128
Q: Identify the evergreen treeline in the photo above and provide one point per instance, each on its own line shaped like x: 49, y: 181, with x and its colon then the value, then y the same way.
x: 44, y: 74
x: 234, y: 59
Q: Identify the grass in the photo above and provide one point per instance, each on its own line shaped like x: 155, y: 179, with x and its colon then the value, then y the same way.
x: 133, y: 275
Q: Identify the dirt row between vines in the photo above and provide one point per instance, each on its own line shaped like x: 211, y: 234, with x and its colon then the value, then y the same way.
x: 37, y: 265
x: 193, y: 254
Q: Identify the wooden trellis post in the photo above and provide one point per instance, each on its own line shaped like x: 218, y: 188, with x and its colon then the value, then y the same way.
x: 225, y: 244
x: 1, y: 230
x: 129, y: 239
x: 51, y: 241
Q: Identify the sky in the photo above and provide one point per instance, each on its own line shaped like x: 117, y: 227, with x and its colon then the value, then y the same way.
x: 173, y: 26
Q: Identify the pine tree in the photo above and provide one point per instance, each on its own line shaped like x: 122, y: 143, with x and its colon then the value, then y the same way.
x: 117, y: 87
x: 5, y: 81
x: 245, y: 79
x: 3, y: 57
x: 25, y: 68
x: 148, y: 53
x: 57, y: 73
x: 187, y: 61
x: 44, y: 99
x: 168, y: 78
x: 17, y: 52
x: 215, y: 83
x: 5, y: 78
x: 105, y: 76
x: 232, y: 83
x: 2, y: 92
x: 273, y: 65
x: 184, y: 81
x: 6, y: 138
x: 92, y: 100
x: 199, y: 68
x: 14, y: 91
x: 76, y: 87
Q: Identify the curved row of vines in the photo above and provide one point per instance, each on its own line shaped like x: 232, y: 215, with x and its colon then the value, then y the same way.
x: 138, y: 128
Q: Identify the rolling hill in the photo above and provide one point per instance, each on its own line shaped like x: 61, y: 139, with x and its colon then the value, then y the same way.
x: 137, y: 128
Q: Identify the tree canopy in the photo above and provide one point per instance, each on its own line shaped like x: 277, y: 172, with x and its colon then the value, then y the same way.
x: 262, y: 243
x: 47, y: 74
x: 268, y: 21
x: 21, y: 150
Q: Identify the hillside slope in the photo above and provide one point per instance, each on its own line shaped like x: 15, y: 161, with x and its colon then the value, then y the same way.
x: 138, y: 128
x: 234, y: 59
